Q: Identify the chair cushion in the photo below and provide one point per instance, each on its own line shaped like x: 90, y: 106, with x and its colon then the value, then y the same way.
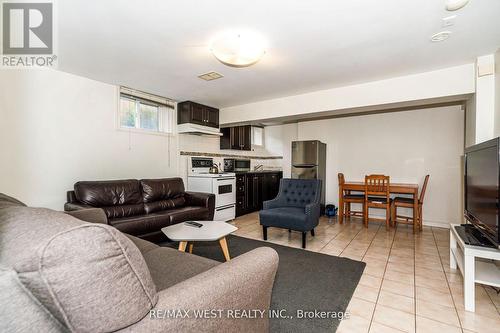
x: 354, y: 196
x: 188, y: 213
x: 284, y: 217
x: 299, y: 192
x: 403, y: 199
x: 162, y: 194
x: 89, y: 276
x: 378, y: 199
x: 142, y: 224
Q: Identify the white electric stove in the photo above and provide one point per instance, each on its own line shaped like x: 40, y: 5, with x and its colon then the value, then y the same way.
x: 223, y: 185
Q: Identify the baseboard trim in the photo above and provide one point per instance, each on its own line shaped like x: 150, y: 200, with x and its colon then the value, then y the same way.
x: 436, y: 224
x: 427, y: 223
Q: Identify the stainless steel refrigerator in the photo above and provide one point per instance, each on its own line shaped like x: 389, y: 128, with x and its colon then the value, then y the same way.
x: 309, y: 162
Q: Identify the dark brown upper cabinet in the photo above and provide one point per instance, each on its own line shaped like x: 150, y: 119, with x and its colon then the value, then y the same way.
x: 195, y: 113
x: 237, y: 138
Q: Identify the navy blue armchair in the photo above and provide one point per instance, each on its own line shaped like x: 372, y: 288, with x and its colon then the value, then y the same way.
x: 297, y: 207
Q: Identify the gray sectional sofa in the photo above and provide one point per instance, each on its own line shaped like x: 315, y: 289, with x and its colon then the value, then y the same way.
x: 59, y: 273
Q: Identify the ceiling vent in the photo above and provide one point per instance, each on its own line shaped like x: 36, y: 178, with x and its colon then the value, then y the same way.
x: 210, y: 76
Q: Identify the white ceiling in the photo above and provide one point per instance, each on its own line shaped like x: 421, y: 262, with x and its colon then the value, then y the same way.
x: 161, y: 46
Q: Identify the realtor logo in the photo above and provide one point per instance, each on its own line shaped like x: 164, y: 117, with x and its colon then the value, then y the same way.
x: 27, y: 29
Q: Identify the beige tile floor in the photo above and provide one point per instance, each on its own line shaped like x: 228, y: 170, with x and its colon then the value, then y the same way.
x: 407, y: 285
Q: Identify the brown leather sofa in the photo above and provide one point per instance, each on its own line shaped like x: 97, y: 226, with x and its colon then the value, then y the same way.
x: 142, y: 207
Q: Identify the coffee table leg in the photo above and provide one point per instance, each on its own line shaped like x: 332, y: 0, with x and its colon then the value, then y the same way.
x: 225, y: 250
x: 182, y: 246
x: 191, y: 247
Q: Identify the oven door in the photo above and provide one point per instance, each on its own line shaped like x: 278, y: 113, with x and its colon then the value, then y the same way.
x: 224, y: 190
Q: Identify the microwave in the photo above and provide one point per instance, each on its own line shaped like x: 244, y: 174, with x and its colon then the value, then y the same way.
x: 236, y: 165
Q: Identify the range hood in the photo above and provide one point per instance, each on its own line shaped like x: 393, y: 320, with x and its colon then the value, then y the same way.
x: 190, y: 128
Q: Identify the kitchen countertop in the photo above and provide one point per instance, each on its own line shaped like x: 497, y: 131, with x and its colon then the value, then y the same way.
x: 259, y: 171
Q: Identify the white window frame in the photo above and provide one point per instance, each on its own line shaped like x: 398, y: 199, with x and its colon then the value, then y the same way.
x: 167, y: 108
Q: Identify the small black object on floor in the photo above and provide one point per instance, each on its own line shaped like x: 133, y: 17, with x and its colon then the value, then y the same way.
x: 305, y: 281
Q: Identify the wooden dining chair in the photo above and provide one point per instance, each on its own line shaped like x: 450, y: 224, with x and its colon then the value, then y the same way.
x: 377, y: 195
x: 349, y: 198
x: 408, y: 203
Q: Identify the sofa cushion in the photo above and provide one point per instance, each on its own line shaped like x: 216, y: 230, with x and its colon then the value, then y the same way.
x: 113, y: 212
x: 89, y: 276
x: 143, y: 245
x: 17, y: 302
x: 164, y: 204
x: 142, y: 224
x: 284, y: 217
x: 162, y: 194
x: 104, y: 194
x: 188, y: 213
x: 6, y: 201
x: 170, y: 266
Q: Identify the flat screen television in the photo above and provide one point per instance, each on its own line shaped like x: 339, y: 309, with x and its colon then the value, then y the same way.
x: 482, y: 188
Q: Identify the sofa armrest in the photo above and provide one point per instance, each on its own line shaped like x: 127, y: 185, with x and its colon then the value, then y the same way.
x: 244, y: 283
x: 313, y: 212
x: 72, y: 206
x: 273, y: 203
x: 94, y: 215
x: 206, y: 200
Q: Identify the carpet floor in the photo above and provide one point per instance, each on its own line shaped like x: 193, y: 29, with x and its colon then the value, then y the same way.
x: 305, y: 280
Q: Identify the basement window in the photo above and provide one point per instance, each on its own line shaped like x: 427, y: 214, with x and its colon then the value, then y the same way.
x: 145, y: 112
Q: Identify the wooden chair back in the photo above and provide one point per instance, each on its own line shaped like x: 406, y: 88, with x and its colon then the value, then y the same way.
x: 377, y: 185
x: 341, y: 178
x: 424, y: 187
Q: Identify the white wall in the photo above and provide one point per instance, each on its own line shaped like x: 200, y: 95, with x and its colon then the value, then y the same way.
x: 57, y: 128
x: 279, y: 142
x: 404, y: 145
x: 470, y: 121
x: 485, y: 98
x: 444, y: 83
x: 497, y: 93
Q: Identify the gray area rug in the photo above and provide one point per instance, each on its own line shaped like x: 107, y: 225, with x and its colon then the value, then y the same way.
x: 305, y: 280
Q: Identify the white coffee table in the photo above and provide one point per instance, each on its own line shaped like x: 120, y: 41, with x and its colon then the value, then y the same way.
x: 209, y: 232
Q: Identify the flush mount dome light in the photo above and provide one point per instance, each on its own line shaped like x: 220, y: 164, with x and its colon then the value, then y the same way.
x: 238, y: 49
x: 452, y: 5
x: 440, y: 36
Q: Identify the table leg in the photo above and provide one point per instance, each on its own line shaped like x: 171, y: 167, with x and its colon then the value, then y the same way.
x: 415, y: 211
x: 469, y: 282
x: 191, y: 247
x: 341, y: 205
x: 182, y: 246
x: 225, y: 250
x: 453, y: 245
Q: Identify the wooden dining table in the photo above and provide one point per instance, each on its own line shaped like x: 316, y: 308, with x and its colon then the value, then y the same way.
x: 396, y: 188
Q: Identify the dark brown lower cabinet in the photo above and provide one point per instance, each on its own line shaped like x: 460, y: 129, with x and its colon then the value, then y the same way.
x: 253, y: 188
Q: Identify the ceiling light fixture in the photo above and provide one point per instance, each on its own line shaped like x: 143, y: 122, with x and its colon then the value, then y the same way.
x: 238, y: 49
x: 440, y: 36
x: 452, y: 5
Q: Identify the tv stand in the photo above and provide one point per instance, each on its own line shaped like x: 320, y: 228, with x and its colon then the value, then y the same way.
x: 472, y: 236
x: 483, y: 270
